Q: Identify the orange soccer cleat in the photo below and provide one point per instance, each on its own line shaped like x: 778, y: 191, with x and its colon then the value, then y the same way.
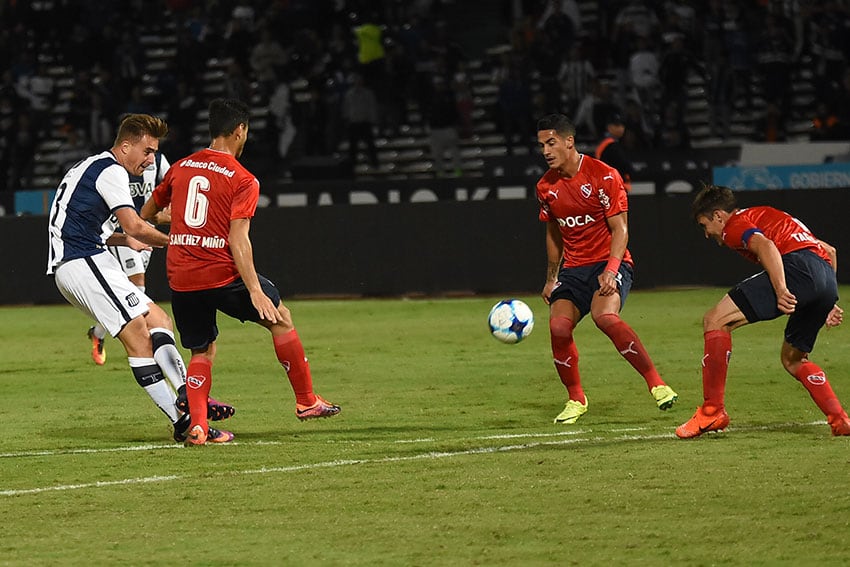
x: 321, y: 408
x: 98, y: 351
x: 840, y: 425
x: 703, y: 422
x: 197, y: 436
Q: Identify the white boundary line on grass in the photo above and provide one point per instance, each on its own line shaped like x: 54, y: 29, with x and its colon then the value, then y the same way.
x: 157, y: 447
x: 502, y: 436
x: 307, y: 466
x: 53, y: 452
x: 351, y: 462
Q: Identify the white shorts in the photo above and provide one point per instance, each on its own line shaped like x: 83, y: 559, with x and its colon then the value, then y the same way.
x: 132, y: 261
x: 99, y: 288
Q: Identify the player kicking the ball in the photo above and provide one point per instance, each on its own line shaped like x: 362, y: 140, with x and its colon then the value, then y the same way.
x: 584, y: 203
x: 133, y: 262
x: 210, y: 265
x: 92, y: 280
x: 798, y: 280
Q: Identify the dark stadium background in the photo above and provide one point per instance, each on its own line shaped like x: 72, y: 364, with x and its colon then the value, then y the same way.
x: 68, y: 70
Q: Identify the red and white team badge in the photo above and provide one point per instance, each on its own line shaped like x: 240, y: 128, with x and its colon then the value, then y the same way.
x: 818, y: 379
x: 195, y: 382
x: 603, y: 198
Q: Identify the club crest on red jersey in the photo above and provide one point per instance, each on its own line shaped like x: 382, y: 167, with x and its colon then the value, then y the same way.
x: 603, y: 198
x: 586, y: 190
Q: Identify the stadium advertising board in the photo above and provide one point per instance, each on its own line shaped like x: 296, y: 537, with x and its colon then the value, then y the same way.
x: 656, y: 171
x: 824, y: 176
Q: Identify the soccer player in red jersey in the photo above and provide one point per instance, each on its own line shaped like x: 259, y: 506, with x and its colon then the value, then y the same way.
x: 584, y: 203
x: 798, y: 280
x: 210, y: 265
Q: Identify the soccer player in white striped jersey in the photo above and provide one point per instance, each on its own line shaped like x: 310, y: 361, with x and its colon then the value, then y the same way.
x: 133, y: 262
x: 92, y: 280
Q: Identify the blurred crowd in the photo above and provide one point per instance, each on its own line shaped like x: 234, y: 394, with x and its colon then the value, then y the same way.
x: 328, y: 71
x: 637, y: 58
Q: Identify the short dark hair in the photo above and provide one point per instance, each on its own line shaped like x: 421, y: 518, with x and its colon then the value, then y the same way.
x: 557, y: 122
x: 713, y: 198
x: 225, y: 114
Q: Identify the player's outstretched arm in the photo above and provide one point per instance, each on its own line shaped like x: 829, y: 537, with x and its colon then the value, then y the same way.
x: 163, y: 216
x: 122, y: 239
x: 835, y: 317
x: 619, y: 226
x: 554, y: 255
x: 771, y: 260
x: 136, y: 227
x: 831, y: 252
x: 243, y: 257
x: 150, y: 210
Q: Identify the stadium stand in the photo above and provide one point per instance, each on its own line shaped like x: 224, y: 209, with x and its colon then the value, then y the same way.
x: 73, y: 68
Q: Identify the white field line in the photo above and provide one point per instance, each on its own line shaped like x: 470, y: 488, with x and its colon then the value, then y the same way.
x: 53, y: 452
x: 352, y: 462
x: 502, y: 436
x: 157, y: 447
x: 100, y: 484
x: 296, y: 468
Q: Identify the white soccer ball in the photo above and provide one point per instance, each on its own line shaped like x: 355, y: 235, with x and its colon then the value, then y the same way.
x: 511, y: 320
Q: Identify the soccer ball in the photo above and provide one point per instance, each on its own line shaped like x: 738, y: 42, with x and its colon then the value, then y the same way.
x: 511, y: 320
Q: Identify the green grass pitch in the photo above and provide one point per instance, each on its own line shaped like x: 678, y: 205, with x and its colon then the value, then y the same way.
x: 444, y: 454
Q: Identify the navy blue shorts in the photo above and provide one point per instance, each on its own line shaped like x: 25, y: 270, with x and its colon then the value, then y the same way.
x: 810, y: 279
x: 195, y: 311
x: 579, y: 284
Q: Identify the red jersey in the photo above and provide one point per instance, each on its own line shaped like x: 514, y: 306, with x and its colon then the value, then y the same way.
x: 206, y: 191
x: 580, y: 205
x: 786, y: 232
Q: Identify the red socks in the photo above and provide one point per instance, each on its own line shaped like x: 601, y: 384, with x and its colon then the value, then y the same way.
x: 198, y: 384
x: 813, y: 379
x: 290, y: 353
x: 627, y: 342
x: 565, y: 355
x: 715, y: 366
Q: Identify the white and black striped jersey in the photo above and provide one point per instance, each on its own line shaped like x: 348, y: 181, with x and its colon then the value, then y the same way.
x: 141, y: 187
x: 80, y: 216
